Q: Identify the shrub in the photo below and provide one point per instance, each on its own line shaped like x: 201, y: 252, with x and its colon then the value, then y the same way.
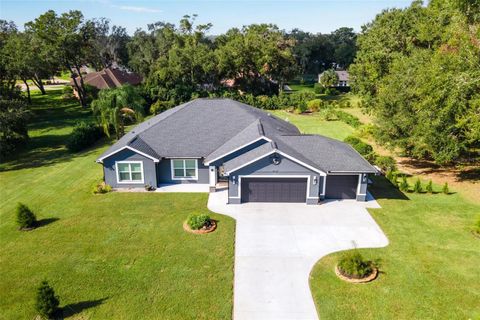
x: 314, y: 105
x: 331, y: 92
x: 351, y: 140
x: 404, y: 184
x: 25, y: 217
x: 429, y: 187
x: 198, y: 221
x: 395, y: 180
x: 417, y: 187
x: 348, y: 118
x: 83, y: 135
x: 389, y: 175
x: 445, y: 188
x: 46, y: 301
x: 363, y: 148
x: 318, y: 88
x: 102, y: 187
x: 149, y: 187
x: 353, y: 265
x: 67, y: 92
x: 386, y: 163
x: 159, y: 106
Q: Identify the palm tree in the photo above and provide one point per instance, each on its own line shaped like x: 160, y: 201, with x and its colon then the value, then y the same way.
x: 114, y: 106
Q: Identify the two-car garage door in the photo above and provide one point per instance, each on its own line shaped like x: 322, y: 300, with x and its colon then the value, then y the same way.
x: 274, y: 189
x: 295, y: 189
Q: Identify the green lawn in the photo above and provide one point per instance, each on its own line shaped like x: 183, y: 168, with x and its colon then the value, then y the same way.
x: 113, y: 256
x: 430, y: 270
x: 313, y: 123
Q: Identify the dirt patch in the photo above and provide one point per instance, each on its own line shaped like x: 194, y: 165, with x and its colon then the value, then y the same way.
x: 211, y: 228
x: 344, y: 277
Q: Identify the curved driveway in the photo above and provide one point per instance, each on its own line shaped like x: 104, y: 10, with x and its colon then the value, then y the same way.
x: 277, y: 245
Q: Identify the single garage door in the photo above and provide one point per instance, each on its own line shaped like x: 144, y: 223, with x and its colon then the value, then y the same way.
x: 274, y: 189
x: 341, y: 187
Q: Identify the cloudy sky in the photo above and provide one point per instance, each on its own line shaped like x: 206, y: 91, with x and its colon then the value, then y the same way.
x: 310, y: 15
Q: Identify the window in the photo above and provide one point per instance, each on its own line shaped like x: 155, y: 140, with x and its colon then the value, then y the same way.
x: 130, y: 172
x: 184, y: 169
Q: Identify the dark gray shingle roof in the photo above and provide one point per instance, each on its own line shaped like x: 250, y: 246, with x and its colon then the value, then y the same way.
x: 208, y: 128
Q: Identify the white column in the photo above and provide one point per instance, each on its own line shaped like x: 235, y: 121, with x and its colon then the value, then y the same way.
x: 213, y: 175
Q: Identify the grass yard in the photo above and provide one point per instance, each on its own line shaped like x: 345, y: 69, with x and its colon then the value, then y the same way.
x: 313, y: 123
x: 113, y: 256
x: 430, y: 269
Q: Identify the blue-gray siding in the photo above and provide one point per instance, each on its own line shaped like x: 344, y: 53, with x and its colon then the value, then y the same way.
x: 110, y: 173
x: 164, y: 173
x: 265, y: 167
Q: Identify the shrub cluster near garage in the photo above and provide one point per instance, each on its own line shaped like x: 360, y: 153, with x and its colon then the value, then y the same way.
x: 83, y: 136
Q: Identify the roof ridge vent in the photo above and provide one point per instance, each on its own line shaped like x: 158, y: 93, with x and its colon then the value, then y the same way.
x: 260, y: 128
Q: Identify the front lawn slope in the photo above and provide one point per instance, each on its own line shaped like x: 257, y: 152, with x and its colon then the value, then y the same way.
x: 430, y: 270
x: 112, y: 256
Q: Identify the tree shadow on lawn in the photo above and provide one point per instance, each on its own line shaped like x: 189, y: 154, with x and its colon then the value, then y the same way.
x: 75, y: 308
x: 45, y: 222
x: 383, y: 189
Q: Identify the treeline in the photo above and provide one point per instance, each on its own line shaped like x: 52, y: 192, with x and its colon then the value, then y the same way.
x: 418, y: 69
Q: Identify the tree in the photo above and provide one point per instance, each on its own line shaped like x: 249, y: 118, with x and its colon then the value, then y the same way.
x: 256, y: 57
x: 25, y: 217
x: 46, y: 301
x: 329, y: 78
x: 422, y: 85
x: 13, y: 125
x: 344, y: 44
x: 69, y: 39
x: 114, y: 107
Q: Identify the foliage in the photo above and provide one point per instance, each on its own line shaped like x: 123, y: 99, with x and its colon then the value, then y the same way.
x: 363, y: 148
x: 84, y: 135
x: 318, y: 88
x: 387, y: 163
x: 429, y: 187
x: 114, y: 107
x: 101, y: 188
x: 159, y: 106
x: 417, y: 187
x: 352, y: 264
x: 314, y: 105
x: 328, y: 79
x: 348, y: 118
x: 404, y: 184
x: 13, y: 125
x: 476, y: 227
x: 67, y: 92
x: 46, y: 303
x: 25, y: 217
x: 352, y: 140
x: 445, y: 188
x: 198, y: 221
x: 421, y: 84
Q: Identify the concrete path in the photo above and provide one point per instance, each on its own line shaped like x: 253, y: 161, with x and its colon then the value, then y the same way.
x: 277, y: 246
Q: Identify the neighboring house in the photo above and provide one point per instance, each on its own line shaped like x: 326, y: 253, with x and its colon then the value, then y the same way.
x: 343, y: 78
x: 109, y: 78
x: 259, y: 156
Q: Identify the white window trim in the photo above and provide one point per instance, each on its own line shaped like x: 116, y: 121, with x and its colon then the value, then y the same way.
x: 320, y: 172
x: 184, y: 178
x: 100, y: 160
x: 129, y: 181
x: 239, y: 148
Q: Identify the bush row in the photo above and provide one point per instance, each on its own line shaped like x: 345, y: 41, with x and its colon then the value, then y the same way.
x: 386, y: 163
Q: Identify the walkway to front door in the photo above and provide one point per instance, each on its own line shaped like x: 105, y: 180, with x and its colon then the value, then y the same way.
x: 277, y: 245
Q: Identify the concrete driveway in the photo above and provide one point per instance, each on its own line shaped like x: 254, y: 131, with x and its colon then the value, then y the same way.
x: 277, y: 245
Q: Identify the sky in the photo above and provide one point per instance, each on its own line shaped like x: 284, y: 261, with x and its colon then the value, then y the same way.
x: 309, y: 15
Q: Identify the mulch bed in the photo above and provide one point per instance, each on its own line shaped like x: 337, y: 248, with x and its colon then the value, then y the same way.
x: 211, y: 228
x: 366, y: 279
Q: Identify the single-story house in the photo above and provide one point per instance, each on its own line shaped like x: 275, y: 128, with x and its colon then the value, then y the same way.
x: 259, y: 157
x: 343, y: 78
x: 109, y: 78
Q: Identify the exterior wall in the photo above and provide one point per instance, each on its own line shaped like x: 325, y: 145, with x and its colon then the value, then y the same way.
x: 238, y: 152
x: 164, y: 173
x: 265, y: 167
x: 362, y: 188
x: 110, y: 174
